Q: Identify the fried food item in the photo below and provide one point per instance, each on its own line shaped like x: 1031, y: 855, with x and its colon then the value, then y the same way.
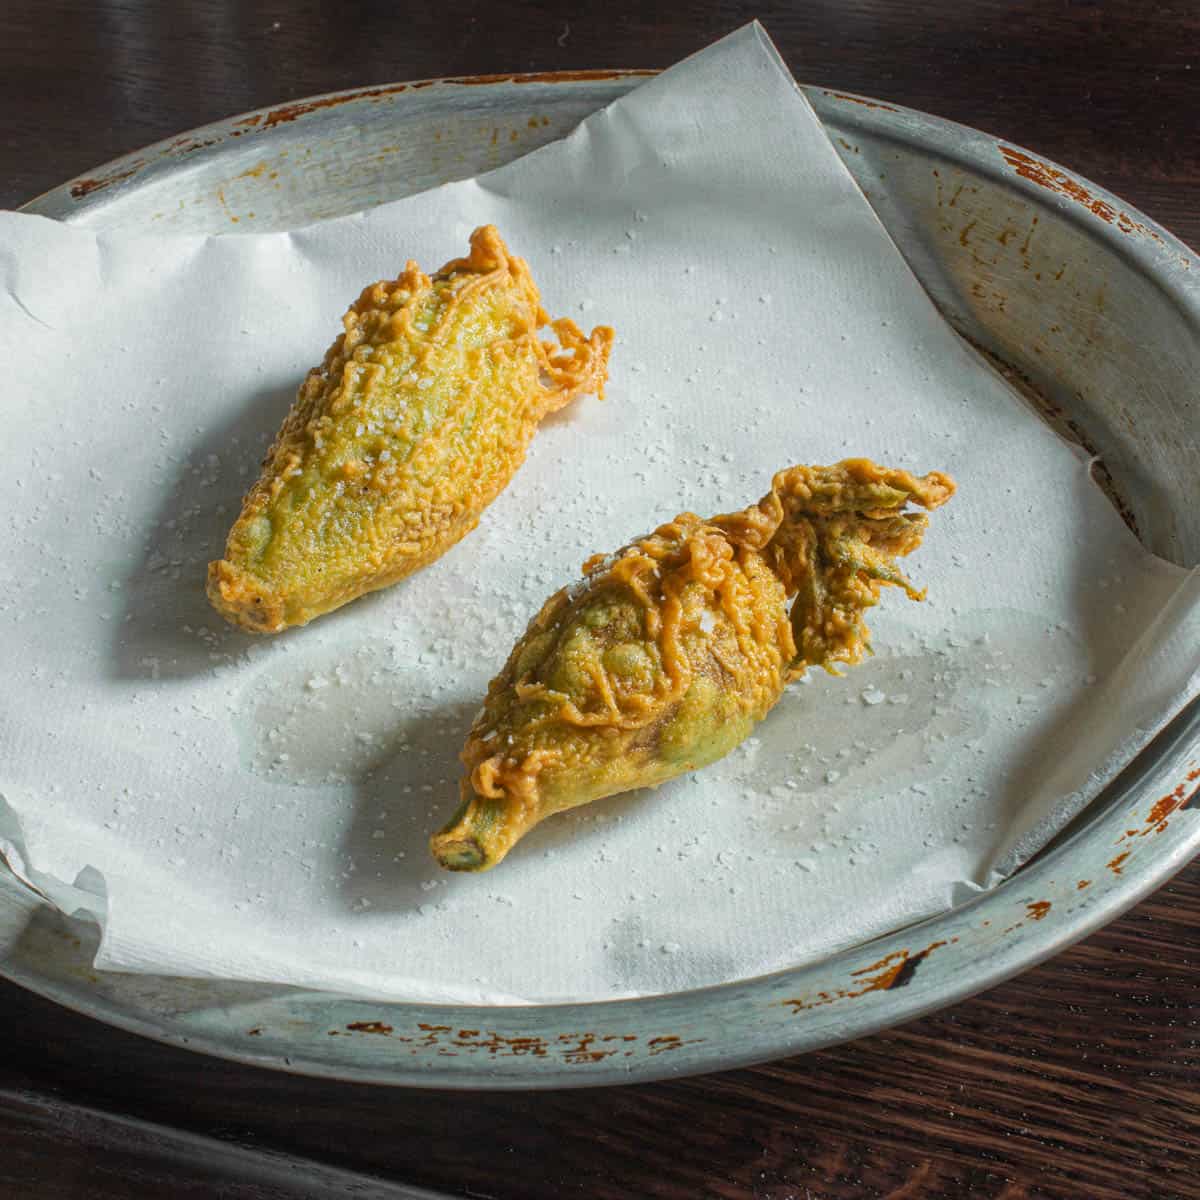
x: 416, y: 421
x: 665, y: 655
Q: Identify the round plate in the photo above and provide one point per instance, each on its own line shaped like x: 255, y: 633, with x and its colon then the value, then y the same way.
x: 947, y: 196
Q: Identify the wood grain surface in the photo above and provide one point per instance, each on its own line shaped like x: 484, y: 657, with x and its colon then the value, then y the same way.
x: 1080, y: 1079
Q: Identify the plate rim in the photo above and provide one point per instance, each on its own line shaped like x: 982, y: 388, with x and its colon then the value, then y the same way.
x: 1173, y: 849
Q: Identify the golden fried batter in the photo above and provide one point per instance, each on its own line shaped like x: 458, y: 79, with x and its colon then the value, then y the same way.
x: 416, y: 421
x: 664, y: 656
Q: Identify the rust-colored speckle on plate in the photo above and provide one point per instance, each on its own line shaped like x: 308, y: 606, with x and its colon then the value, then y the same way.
x: 894, y: 970
x: 593, y: 76
x: 188, y: 144
x: 1023, y: 249
x: 571, y: 1048
x: 860, y: 100
x: 1116, y: 865
x: 369, y: 1027
x: 289, y: 112
x: 1083, y: 883
x: 85, y: 187
x: 1054, y: 180
x: 661, y: 1045
x: 1038, y: 909
x: 1158, y: 818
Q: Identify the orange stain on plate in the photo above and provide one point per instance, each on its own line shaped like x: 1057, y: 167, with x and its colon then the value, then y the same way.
x: 894, y: 970
x: 1158, y: 818
x: 301, y: 108
x: 1054, y: 180
x: 85, y: 187
x: 860, y: 100
x: 572, y: 1048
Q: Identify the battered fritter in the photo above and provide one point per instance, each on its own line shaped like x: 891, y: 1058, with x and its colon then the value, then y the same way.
x: 418, y: 418
x: 665, y: 655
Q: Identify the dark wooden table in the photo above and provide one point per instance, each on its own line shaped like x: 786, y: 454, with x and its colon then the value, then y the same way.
x: 1079, y: 1079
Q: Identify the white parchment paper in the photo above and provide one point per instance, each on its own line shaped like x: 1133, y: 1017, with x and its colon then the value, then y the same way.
x: 258, y: 809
